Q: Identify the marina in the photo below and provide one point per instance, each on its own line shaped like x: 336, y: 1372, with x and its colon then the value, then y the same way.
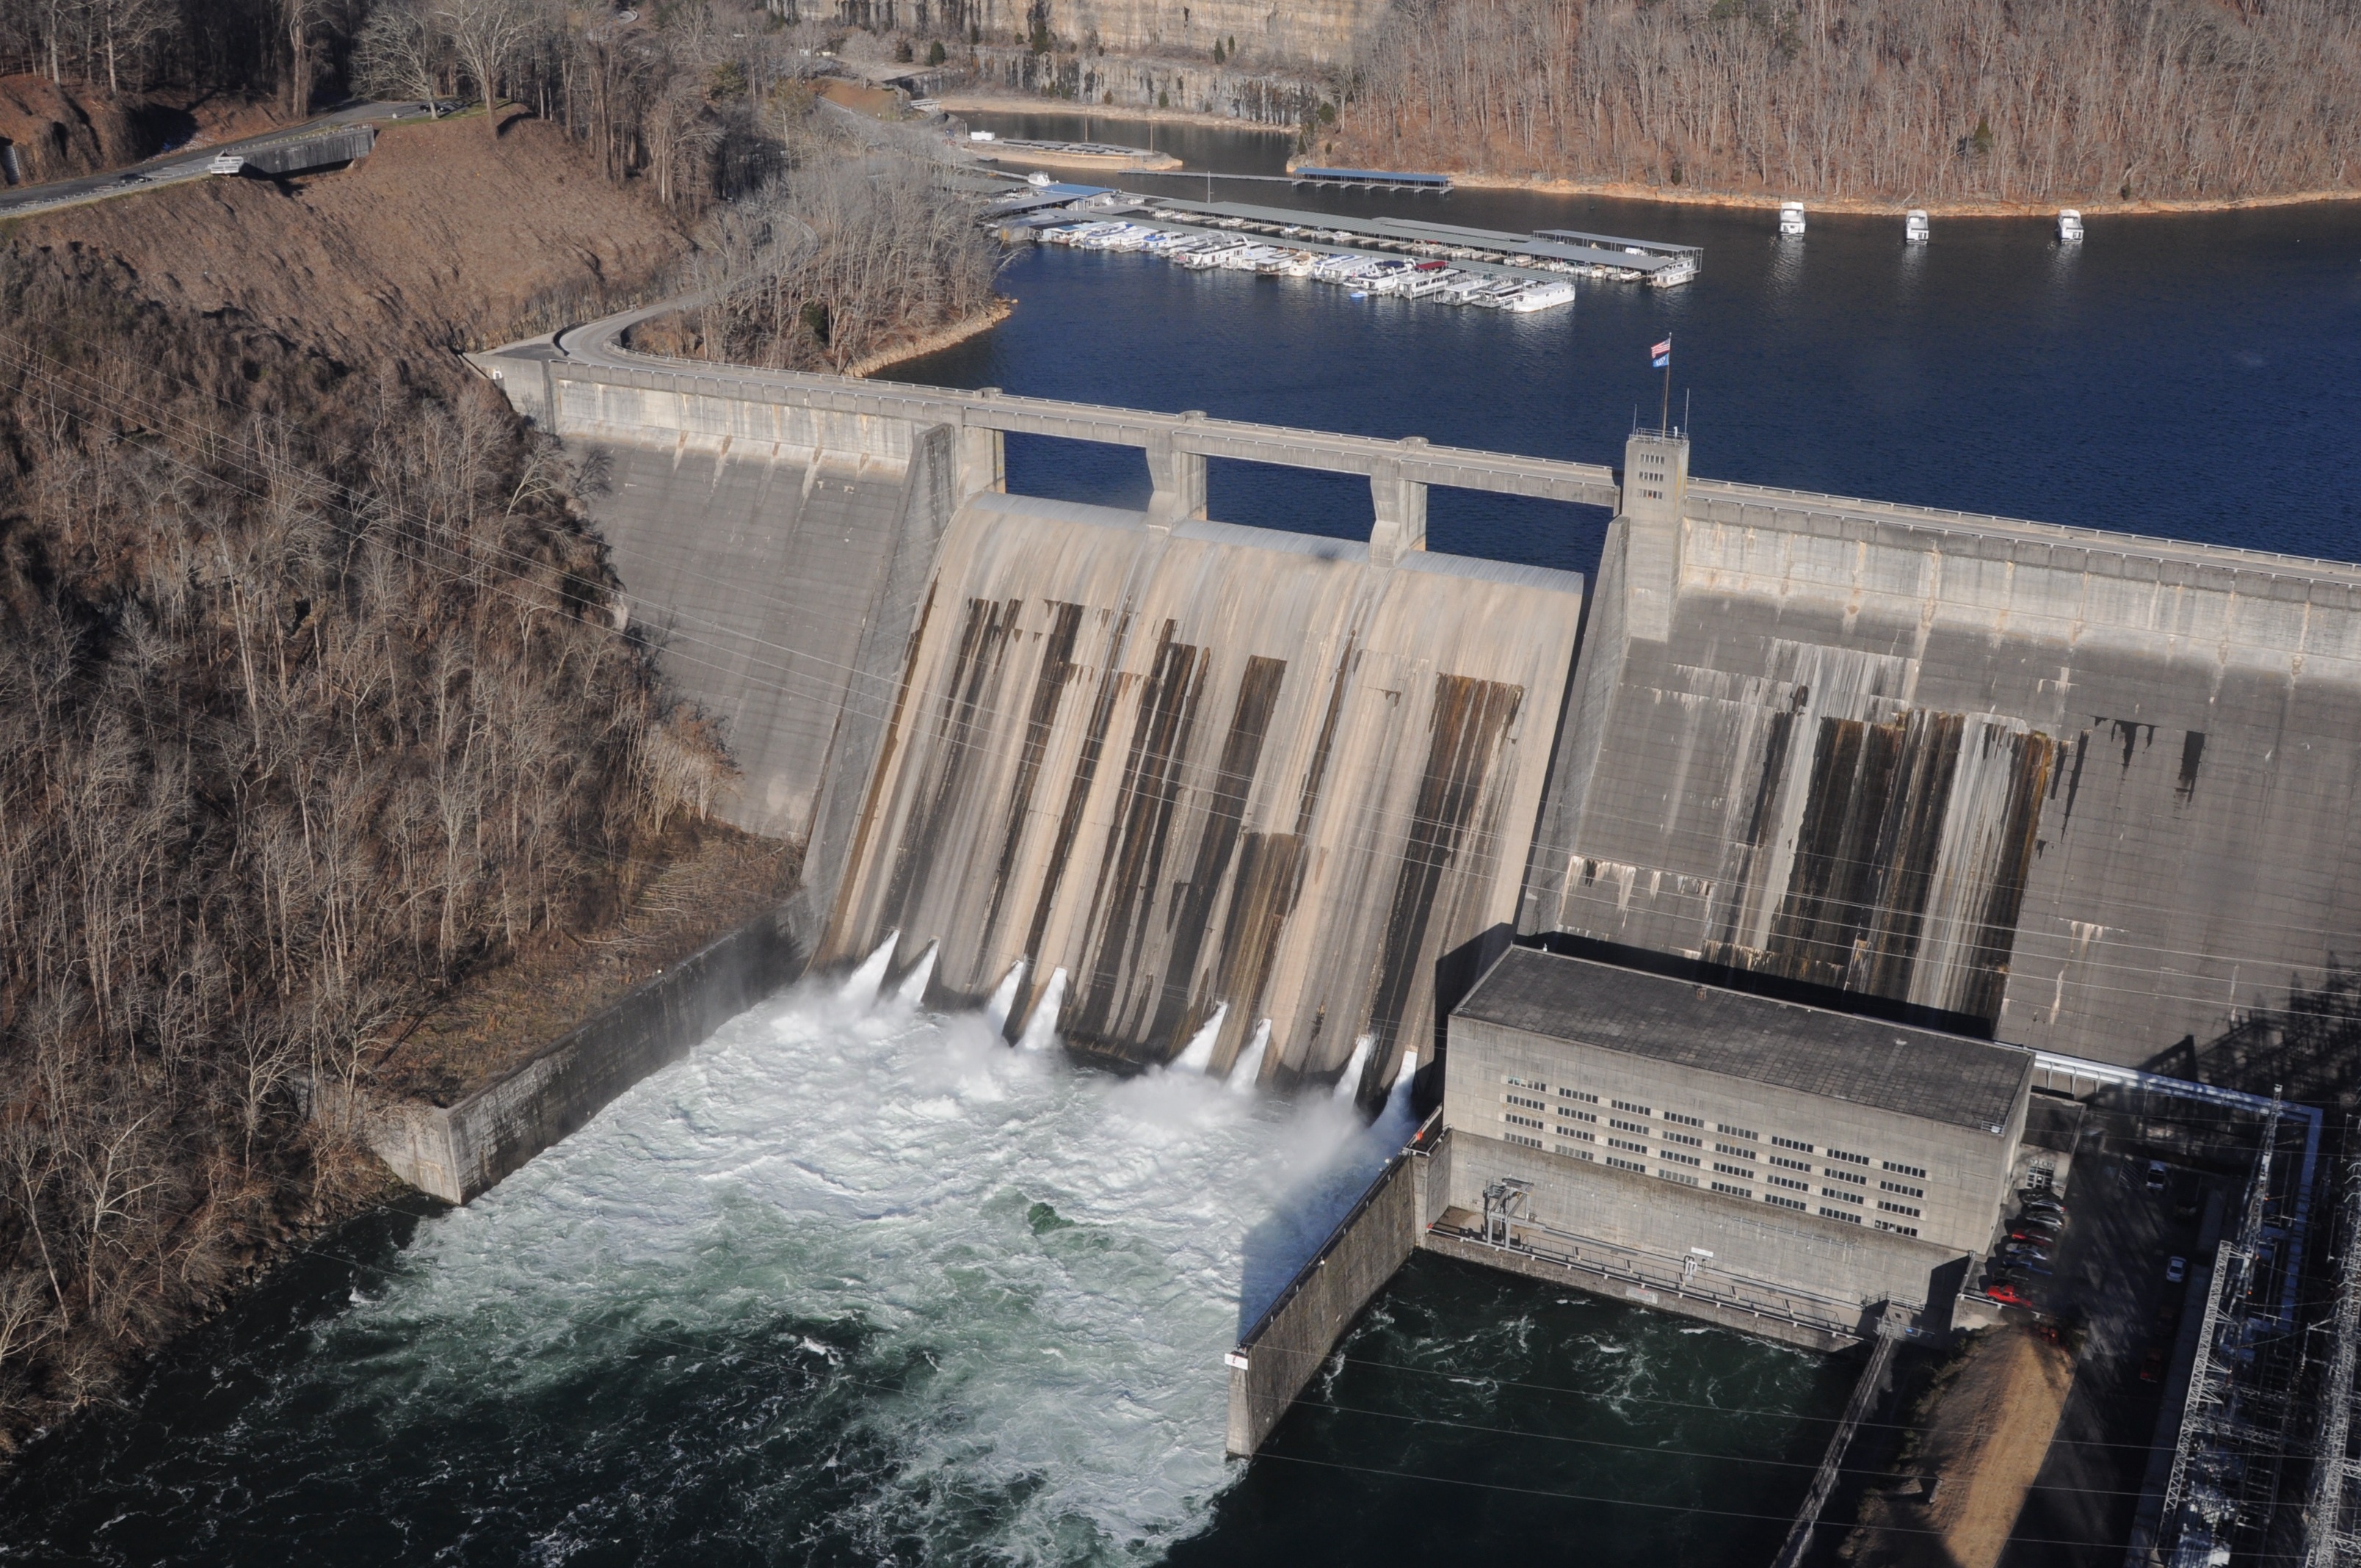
x: 1381, y: 256
x: 1367, y: 276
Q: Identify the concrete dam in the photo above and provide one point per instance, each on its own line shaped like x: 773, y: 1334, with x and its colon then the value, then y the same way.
x: 1166, y: 772
x: 2077, y: 791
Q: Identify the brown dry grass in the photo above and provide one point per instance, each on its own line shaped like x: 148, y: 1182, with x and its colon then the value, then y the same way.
x: 711, y: 880
x: 877, y: 103
x: 56, y: 135
x: 437, y: 240
x: 1983, y: 1430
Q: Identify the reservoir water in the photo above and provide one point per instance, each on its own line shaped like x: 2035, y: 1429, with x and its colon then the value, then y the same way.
x: 2196, y: 377
x: 860, y: 1284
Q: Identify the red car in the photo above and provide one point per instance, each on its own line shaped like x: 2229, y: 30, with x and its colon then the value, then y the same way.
x: 2008, y: 1295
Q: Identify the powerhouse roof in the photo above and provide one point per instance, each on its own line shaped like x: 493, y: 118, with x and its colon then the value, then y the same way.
x: 1888, y: 1066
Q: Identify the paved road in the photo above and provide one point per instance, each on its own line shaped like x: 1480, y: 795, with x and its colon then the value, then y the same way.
x: 187, y: 163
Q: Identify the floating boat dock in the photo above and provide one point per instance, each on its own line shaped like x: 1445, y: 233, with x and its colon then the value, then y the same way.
x: 1070, y: 154
x: 1559, y: 252
x: 1409, y: 257
x: 1371, y: 180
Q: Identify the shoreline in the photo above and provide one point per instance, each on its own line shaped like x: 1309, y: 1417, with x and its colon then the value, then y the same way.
x: 1891, y: 207
x: 1111, y: 163
x: 1020, y: 104
x: 934, y: 342
x: 1628, y: 191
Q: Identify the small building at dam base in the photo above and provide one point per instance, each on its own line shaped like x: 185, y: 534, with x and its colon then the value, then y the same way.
x: 1799, y: 1164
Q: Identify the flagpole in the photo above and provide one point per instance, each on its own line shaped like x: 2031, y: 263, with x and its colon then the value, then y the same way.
x: 1664, y: 425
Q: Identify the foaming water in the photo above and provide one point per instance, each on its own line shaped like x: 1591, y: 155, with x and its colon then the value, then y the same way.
x: 912, y: 990
x: 1246, y: 1071
x: 1004, y: 1000
x: 864, y: 983
x: 1348, y: 1084
x: 1041, y: 1029
x: 852, y: 1276
x: 1197, y: 1056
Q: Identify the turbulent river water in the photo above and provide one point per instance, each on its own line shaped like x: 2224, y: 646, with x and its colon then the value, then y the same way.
x: 857, y: 1283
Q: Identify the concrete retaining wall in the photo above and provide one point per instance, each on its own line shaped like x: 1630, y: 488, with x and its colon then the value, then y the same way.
x: 1596, y: 1280
x: 1278, y: 1357
x: 1642, y: 1228
x: 459, y: 1151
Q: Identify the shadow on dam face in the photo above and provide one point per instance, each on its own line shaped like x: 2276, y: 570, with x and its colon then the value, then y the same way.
x: 1216, y: 769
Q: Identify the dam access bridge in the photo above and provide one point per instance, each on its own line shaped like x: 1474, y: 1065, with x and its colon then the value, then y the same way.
x: 2085, y: 791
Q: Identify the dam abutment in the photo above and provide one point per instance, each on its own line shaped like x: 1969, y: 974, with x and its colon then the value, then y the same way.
x: 459, y: 1151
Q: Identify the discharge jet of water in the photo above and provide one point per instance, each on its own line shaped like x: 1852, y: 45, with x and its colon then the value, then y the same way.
x: 1004, y: 1001
x: 1248, y: 1069
x: 1394, y: 1128
x: 1350, y: 1084
x: 864, y: 983
x: 913, y: 989
x: 1199, y: 1055
x: 1041, y: 1029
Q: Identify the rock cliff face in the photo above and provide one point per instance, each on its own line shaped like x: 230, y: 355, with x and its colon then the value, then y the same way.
x: 1298, y: 32
x: 1275, y: 97
x: 1262, y: 33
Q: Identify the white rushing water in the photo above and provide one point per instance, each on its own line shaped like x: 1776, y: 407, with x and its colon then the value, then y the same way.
x: 1064, y: 1255
x: 1197, y: 1056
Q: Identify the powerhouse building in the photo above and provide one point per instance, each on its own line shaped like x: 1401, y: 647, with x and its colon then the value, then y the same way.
x: 1798, y: 1161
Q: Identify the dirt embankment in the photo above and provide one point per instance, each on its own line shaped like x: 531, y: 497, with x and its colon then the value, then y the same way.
x: 714, y: 878
x: 438, y: 240
x: 50, y: 131
x: 1981, y: 1433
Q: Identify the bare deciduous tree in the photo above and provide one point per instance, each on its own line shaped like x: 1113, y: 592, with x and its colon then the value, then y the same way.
x: 1922, y: 99
x: 361, y: 719
x: 486, y: 35
x: 403, y: 52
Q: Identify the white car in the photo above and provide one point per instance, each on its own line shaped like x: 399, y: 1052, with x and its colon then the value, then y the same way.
x: 2176, y: 1271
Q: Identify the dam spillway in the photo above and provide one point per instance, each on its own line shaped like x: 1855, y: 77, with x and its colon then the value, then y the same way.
x: 1198, y: 770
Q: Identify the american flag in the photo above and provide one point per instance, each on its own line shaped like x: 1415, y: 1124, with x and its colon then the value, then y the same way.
x: 1662, y: 355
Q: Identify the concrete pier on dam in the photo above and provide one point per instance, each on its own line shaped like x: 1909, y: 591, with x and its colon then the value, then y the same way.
x: 2078, y: 791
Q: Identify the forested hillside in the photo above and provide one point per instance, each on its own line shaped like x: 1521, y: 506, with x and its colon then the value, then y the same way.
x: 1924, y: 100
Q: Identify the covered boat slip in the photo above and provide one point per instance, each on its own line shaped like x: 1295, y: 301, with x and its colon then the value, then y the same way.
x: 1551, y: 253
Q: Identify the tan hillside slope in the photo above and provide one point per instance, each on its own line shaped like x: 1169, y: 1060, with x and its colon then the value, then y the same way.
x: 439, y: 240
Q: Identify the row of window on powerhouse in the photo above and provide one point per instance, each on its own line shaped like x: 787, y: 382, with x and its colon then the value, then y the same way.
x: 1680, y: 1156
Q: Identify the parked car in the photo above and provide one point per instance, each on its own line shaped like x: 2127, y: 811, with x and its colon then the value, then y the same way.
x: 2176, y: 1271
x: 2155, y: 1175
x: 2008, y: 1295
x: 2152, y: 1367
